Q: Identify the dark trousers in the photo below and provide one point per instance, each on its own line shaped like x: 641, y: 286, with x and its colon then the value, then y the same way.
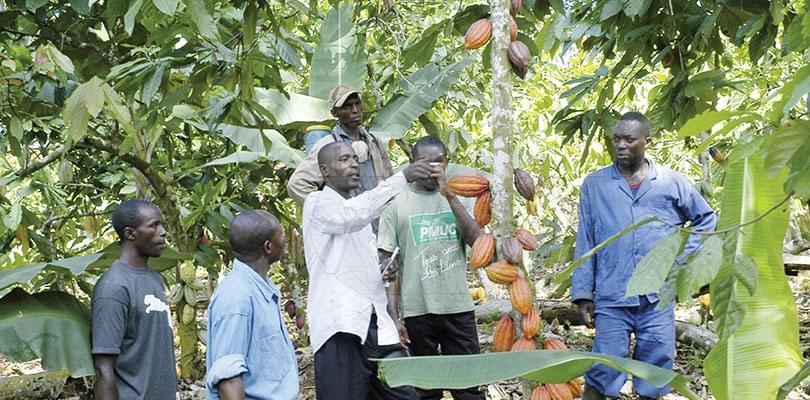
x: 343, y: 371
x: 448, y: 334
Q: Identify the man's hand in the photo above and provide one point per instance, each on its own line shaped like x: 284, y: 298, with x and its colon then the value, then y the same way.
x: 586, y: 311
x: 419, y: 169
x: 389, y: 274
x: 404, y: 339
x: 444, y: 188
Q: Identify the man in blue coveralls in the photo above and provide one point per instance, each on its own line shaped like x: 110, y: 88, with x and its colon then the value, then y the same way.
x: 611, y: 199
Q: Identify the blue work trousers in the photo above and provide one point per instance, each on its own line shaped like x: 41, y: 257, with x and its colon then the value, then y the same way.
x: 655, y: 344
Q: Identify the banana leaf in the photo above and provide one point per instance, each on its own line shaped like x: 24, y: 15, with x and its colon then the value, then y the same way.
x: 763, y: 351
x: 543, y: 366
x: 53, y: 326
x: 339, y: 58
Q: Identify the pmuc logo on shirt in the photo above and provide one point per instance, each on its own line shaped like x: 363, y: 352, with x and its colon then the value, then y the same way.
x: 427, y: 228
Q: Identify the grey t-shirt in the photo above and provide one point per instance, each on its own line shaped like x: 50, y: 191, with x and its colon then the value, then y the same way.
x: 131, y: 318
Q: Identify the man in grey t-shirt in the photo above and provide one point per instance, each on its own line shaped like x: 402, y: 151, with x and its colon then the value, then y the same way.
x: 133, y: 347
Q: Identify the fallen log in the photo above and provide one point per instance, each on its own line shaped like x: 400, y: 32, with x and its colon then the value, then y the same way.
x: 44, y: 385
x: 566, y: 313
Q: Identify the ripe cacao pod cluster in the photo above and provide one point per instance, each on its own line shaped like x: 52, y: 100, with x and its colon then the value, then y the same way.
x: 480, y: 31
x: 570, y: 390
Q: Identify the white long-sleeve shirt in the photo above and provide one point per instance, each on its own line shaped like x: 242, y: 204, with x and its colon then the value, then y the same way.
x: 345, y: 283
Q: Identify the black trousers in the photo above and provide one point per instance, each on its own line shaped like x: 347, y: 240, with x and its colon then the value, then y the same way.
x: 343, y: 371
x: 447, y: 334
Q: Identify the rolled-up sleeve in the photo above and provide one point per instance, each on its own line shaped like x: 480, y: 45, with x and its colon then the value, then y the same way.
x: 230, y: 339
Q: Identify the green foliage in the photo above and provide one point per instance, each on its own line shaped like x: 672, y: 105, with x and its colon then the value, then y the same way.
x: 543, y: 366
x: 53, y: 326
x: 340, y: 58
x: 653, y: 269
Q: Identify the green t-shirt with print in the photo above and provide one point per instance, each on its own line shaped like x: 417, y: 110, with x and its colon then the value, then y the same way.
x: 432, y: 254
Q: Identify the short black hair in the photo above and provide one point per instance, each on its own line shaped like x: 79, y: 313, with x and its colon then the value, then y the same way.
x: 326, y: 155
x: 636, y: 116
x: 249, y: 230
x: 128, y: 215
x: 427, y: 141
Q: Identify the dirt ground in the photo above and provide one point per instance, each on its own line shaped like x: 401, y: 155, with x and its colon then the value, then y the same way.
x: 689, y: 361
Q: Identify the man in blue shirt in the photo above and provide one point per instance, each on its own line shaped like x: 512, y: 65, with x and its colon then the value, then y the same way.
x: 250, y: 355
x: 631, y: 189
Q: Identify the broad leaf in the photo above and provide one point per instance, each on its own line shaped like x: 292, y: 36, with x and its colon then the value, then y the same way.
x: 763, y: 352
x: 166, y: 6
x: 257, y: 140
x: 422, y: 88
x: 546, y: 366
x: 419, y: 52
x: 706, y: 120
x: 611, y: 8
x: 297, y: 111
x: 129, y: 17
x: 702, y: 268
x: 745, y: 271
x: 783, y: 143
x: 633, y: 8
x: 339, y: 58
x: 793, y: 382
x: 24, y: 273
x: 53, y: 326
x: 794, y: 89
x: 237, y: 157
x: 653, y: 269
x: 202, y: 19
x: 86, y: 101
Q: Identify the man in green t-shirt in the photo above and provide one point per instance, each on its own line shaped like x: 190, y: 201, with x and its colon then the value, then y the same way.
x: 430, y: 226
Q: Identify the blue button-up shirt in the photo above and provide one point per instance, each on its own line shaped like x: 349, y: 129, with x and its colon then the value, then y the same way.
x: 607, y: 205
x: 247, y: 337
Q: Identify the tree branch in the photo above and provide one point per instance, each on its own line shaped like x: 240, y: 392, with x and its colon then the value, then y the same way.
x: 158, y: 184
x: 41, y: 163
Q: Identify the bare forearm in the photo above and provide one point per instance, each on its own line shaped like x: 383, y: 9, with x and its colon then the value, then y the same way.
x: 392, y: 291
x: 105, y: 387
x: 231, y: 389
x: 467, y: 225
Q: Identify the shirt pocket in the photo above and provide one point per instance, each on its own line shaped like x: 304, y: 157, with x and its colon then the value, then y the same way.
x: 275, y: 356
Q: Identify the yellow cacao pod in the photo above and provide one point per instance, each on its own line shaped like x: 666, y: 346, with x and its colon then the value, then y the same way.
x: 478, y: 34
x: 482, y: 251
x: 468, y: 185
x: 187, y: 272
x: 503, y: 336
x: 502, y: 272
x: 187, y: 316
x: 531, y: 323
x: 521, y: 295
x: 483, y: 210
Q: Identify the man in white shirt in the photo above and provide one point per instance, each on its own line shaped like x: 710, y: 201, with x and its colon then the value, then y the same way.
x: 347, y: 305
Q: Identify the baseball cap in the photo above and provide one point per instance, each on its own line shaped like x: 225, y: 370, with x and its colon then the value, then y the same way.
x: 339, y: 94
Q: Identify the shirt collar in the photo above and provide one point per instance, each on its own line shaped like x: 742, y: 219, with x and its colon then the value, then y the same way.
x: 338, y: 129
x: 651, y: 174
x: 265, y: 286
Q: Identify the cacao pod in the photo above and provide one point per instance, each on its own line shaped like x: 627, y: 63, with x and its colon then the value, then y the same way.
x: 482, y: 251
x: 521, y: 295
x: 511, y: 250
x: 502, y: 272
x: 524, y: 183
x: 519, y: 56
x: 531, y: 323
x: 189, y: 295
x: 468, y: 185
x: 483, y: 210
x: 175, y: 294
x: 187, y: 272
x: 299, y: 321
x: 515, y: 9
x: 541, y: 393
x: 503, y: 336
x: 513, y: 28
x: 717, y: 155
x: 575, y: 385
x: 526, y: 239
x: 289, y: 307
x: 478, y: 34
x: 554, y: 344
x: 559, y: 391
x: 524, y: 344
x: 188, y: 314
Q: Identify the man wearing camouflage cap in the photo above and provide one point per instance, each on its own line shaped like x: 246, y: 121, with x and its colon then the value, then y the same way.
x: 374, y: 162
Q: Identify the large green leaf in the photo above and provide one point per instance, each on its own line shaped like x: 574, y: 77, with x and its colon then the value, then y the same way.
x: 339, y: 58
x: 297, y: 111
x: 546, y: 366
x: 262, y: 143
x: 422, y: 88
x: 794, y: 89
x: 706, y: 120
x: 701, y: 269
x: 785, y: 389
x: 53, y: 326
x: 24, y: 273
x: 653, y: 269
x: 763, y: 352
x: 419, y: 52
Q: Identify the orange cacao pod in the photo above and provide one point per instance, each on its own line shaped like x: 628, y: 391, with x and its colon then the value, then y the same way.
x: 468, y: 185
x: 524, y: 183
x: 519, y: 56
x: 482, y: 251
x: 526, y: 239
x: 554, y: 344
x: 559, y: 391
x: 511, y: 250
x: 541, y: 393
x: 513, y: 28
x: 502, y: 272
x: 531, y: 323
x: 515, y: 6
x: 524, y: 344
x: 521, y: 295
x: 483, y: 209
x: 717, y: 155
x: 478, y: 34
x: 503, y: 337
x: 575, y: 385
